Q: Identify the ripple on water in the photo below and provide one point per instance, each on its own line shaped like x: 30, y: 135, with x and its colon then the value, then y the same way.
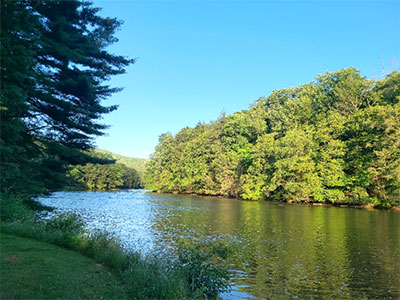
x: 280, y: 252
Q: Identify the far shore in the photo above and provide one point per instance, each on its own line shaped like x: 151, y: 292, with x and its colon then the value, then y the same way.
x: 340, y: 205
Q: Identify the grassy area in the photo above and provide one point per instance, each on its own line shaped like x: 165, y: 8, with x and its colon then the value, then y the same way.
x: 34, y: 270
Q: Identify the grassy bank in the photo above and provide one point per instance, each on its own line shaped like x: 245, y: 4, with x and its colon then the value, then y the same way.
x: 37, y: 270
x: 193, y: 274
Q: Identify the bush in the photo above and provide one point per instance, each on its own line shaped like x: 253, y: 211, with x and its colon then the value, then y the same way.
x: 201, y: 265
x: 67, y: 222
x: 13, y: 209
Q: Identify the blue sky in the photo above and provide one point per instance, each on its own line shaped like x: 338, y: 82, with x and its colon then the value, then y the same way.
x: 197, y: 58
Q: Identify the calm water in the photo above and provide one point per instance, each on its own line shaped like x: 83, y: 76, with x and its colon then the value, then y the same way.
x: 282, y: 251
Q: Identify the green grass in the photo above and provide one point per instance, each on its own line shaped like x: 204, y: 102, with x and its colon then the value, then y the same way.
x: 36, y: 270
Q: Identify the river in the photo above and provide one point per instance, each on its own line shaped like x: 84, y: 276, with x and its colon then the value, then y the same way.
x: 282, y: 251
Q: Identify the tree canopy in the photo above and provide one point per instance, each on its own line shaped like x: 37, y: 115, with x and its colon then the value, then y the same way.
x: 139, y: 164
x: 336, y: 140
x: 54, y: 72
x: 112, y: 174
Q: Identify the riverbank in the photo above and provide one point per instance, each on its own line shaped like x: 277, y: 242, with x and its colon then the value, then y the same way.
x: 142, y: 277
x: 279, y: 250
x: 337, y: 204
x: 37, y: 270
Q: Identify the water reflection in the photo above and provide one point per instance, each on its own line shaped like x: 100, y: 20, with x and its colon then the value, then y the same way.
x: 282, y: 251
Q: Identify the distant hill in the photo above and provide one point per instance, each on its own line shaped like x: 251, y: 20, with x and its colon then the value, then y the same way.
x: 136, y: 163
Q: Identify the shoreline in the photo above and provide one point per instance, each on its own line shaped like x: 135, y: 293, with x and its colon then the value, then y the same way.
x: 339, y: 205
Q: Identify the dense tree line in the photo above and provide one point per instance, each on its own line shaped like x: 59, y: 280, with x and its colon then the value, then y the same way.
x: 336, y: 140
x: 102, y: 177
x: 54, y: 65
x: 139, y: 164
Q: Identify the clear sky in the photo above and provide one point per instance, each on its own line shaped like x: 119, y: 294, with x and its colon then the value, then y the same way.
x: 197, y: 58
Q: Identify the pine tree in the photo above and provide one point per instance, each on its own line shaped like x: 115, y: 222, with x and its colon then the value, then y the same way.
x: 54, y: 63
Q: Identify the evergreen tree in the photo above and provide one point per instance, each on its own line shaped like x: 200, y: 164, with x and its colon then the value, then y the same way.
x: 54, y: 64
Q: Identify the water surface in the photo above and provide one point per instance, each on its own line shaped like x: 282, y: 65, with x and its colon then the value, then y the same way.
x: 282, y: 251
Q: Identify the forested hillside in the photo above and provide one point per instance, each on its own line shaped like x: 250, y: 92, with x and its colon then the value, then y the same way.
x: 335, y: 140
x: 139, y: 164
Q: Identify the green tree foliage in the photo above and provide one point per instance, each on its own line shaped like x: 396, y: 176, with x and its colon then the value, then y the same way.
x: 335, y: 140
x: 103, y: 177
x: 139, y: 164
x: 53, y: 67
